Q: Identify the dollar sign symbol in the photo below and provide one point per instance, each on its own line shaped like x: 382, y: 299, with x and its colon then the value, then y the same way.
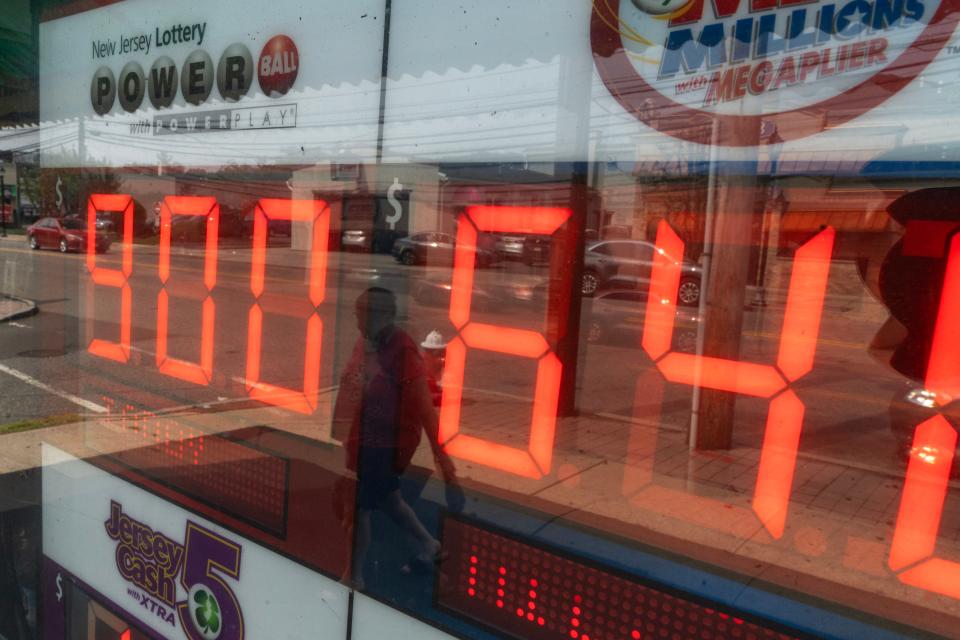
x: 59, y: 587
x: 392, y: 199
x: 59, y: 194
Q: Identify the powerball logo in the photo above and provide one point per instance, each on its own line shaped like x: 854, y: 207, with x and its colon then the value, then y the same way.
x: 682, y: 66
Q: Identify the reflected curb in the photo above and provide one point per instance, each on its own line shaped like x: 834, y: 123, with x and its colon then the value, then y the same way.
x: 14, y: 308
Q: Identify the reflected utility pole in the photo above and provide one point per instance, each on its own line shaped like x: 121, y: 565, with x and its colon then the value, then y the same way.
x: 566, y: 264
x: 731, y: 205
x: 3, y: 201
x: 772, y: 206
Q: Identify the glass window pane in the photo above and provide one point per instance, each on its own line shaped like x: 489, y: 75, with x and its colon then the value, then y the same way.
x: 539, y: 320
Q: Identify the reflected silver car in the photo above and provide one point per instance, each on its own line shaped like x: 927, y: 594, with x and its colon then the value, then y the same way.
x: 621, y: 264
x: 622, y: 313
x: 355, y: 240
x: 510, y: 247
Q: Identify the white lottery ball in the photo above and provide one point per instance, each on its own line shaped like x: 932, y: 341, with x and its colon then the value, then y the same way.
x: 659, y: 7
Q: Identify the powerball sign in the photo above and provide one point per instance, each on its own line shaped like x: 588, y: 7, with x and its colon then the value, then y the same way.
x: 797, y: 65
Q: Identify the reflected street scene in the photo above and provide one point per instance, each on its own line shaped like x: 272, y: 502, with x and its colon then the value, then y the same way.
x: 391, y: 319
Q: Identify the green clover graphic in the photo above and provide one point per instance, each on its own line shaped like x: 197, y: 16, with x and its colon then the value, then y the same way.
x: 205, y: 612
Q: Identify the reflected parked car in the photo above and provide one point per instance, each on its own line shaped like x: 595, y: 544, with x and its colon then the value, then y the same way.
x: 194, y: 228
x: 626, y: 264
x: 65, y: 234
x: 188, y: 227
x: 274, y: 227
x: 435, y: 292
x: 536, y: 250
x: 231, y: 222
x: 355, y: 240
x: 622, y: 314
x: 911, y: 406
x: 510, y: 247
x: 434, y: 248
x: 104, y: 222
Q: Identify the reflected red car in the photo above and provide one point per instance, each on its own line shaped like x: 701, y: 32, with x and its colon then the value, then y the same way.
x: 64, y: 234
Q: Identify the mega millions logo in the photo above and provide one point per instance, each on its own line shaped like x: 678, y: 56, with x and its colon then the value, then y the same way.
x: 159, y: 569
x: 798, y: 65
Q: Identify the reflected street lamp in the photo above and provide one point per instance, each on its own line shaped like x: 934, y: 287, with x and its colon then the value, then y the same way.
x: 773, y: 202
x: 443, y: 180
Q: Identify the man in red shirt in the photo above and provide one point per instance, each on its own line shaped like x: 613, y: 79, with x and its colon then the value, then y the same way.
x: 385, y: 398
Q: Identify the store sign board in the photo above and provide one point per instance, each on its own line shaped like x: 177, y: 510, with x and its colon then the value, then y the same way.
x: 375, y: 621
x: 137, y: 83
x: 621, y: 81
x: 537, y: 82
x: 746, y: 62
x: 168, y: 570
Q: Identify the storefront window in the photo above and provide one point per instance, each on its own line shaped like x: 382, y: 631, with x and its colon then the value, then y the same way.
x: 421, y: 319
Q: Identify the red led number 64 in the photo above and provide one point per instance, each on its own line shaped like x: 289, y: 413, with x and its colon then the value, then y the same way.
x: 798, y: 342
x: 934, y: 444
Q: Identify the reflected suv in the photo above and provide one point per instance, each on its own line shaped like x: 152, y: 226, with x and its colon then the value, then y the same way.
x: 626, y: 264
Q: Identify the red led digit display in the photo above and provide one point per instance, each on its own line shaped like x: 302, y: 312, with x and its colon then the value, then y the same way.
x: 531, y: 593
x: 536, y: 460
x: 89, y: 619
x: 513, y: 590
x: 119, y: 351
x: 197, y: 373
x: 934, y: 443
x: 238, y: 479
x: 317, y: 214
x: 798, y: 341
x: 270, y: 486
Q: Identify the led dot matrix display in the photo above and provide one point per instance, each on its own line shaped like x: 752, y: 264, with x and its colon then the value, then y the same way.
x: 238, y: 479
x: 531, y: 593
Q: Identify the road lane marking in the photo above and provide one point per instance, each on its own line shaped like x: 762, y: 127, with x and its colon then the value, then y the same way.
x: 225, y: 400
x: 18, y: 325
x: 237, y: 379
x: 86, y: 404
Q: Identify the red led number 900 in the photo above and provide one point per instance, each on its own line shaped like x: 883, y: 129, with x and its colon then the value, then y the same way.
x: 314, y: 212
x: 202, y: 372
x: 317, y: 214
x: 119, y: 351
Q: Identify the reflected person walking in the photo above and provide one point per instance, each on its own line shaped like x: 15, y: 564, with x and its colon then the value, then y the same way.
x: 385, y: 401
